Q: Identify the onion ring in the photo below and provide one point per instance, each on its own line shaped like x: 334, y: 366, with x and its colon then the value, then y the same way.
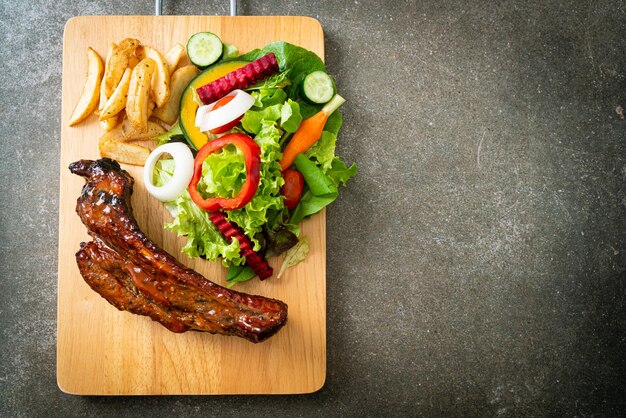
x: 183, y: 171
x: 207, y: 118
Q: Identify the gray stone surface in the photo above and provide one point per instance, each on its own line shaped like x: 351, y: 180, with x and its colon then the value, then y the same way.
x: 476, y: 266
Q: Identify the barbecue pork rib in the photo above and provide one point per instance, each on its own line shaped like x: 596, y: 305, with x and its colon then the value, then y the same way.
x: 134, y: 274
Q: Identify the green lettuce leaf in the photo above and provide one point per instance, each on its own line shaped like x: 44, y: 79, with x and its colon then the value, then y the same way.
x: 287, y: 113
x: 268, y: 97
x: 203, y: 238
x: 266, y: 207
x: 340, y: 173
x: 295, y: 255
x: 297, y: 60
x: 175, y: 132
x: 334, y: 122
x: 163, y: 172
x: 323, y: 151
x: 321, y: 189
x: 253, y: 119
x: 290, y: 117
x: 276, y: 114
x: 279, y: 80
x: 223, y: 174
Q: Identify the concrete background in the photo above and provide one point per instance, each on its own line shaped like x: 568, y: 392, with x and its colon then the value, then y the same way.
x: 476, y: 266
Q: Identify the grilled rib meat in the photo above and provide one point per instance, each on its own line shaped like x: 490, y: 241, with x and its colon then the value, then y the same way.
x: 134, y: 274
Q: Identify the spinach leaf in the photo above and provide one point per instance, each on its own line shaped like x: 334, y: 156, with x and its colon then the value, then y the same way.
x: 320, y: 190
x: 238, y: 274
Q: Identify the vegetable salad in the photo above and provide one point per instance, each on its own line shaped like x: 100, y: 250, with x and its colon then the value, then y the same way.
x: 284, y: 122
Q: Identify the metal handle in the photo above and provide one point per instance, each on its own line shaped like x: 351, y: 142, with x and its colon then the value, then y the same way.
x: 158, y: 7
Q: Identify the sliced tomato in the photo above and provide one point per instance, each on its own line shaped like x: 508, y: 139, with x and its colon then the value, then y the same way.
x: 292, y: 189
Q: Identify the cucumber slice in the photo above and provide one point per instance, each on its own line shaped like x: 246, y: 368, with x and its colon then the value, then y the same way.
x: 230, y: 52
x: 318, y: 87
x: 204, y: 49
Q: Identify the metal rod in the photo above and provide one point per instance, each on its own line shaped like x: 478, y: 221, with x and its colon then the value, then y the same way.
x: 158, y: 7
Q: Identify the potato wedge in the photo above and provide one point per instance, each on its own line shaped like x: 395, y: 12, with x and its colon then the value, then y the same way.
x: 116, y: 134
x: 103, y: 96
x: 173, y: 56
x: 139, y: 93
x: 168, y: 113
x: 122, y: 152
x: 147, y: 143
x: 117, y: 101
x: 117, y: 64
x: 129, y: 133
x: 151, y: 106
x: 108, y: 124
x: 160, y: 88
x: 88, y: 101
x: 132, y: 61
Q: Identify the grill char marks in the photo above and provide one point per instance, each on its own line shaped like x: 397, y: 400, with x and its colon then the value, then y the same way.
x: 134, y: 274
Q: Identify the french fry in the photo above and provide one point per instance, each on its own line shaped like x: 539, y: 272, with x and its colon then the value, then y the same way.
x: 122, y: 152
x: 117, y: 101
x: 160, y: 87
x: 173, y: 56
x: 138, y: 94
x: 168, y: 113
x: 129, y: 133
x: 117, y: 64
x: 88, y: 100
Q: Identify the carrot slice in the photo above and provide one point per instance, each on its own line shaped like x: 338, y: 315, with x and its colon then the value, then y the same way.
x: 309, y: 132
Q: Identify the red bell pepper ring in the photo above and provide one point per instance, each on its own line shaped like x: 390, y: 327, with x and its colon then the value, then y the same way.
x: 252, y: 159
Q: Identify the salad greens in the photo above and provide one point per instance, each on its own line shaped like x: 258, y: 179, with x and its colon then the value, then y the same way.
x: 298, y: 61
x: 295, y: 255
x: 276, y: 114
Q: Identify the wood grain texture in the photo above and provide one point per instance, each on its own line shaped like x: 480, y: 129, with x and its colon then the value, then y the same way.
x: 102, y: 351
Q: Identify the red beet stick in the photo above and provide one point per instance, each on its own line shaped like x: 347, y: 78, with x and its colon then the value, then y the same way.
x: 230, y: 231
x: 241, y: 78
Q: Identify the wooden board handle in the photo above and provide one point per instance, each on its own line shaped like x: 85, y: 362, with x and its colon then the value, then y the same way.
x: 158, y: 7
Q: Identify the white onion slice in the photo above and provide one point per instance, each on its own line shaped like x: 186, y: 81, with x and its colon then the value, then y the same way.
x: 211, y: 119
x: 183, y: 171
x: 201, y: 113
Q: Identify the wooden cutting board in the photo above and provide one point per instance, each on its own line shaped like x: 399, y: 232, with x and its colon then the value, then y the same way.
x: 103, y: 351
